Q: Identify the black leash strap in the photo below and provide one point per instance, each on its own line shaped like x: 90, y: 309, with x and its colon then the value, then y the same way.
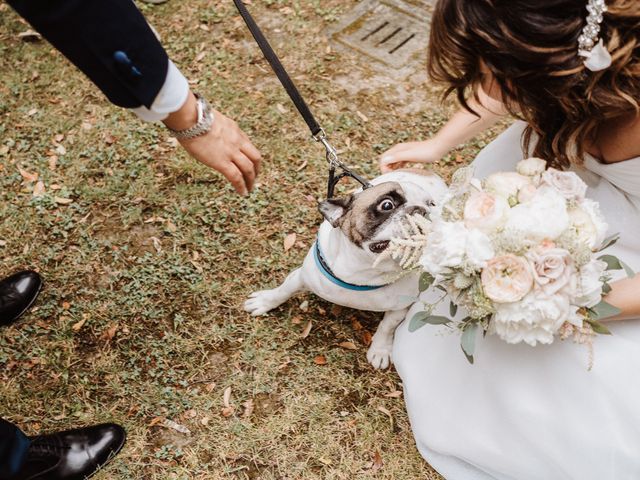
x: 317, y: 132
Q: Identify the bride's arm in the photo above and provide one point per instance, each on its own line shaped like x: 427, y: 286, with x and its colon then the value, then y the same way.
x: 625, y: 295
x: 463, y: 126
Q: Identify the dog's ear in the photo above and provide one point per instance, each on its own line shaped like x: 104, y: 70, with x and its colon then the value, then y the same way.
x: 333, y: 209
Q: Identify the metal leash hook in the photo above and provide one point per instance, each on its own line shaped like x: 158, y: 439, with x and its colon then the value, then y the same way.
x: 334, y: 162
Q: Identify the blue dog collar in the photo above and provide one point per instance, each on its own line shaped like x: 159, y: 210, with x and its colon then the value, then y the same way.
x: 326, y: 271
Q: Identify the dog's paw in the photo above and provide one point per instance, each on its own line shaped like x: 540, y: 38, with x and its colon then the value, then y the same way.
x: 379, y: 356
x: 260, y: 303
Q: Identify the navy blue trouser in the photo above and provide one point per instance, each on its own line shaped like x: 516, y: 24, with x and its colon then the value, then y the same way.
x: 13, y: 449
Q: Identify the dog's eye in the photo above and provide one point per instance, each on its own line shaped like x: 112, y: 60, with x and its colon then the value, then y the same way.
x: 386, y: 205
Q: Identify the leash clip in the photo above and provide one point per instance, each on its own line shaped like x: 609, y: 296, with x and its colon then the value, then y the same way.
x: 331, y: 152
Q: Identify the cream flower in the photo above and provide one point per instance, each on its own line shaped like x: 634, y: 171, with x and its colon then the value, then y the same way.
x: 552, y: 267
x: 542, y: 217
x: 537, y: 318
x: 587, y: 287
x: 507, y: 279
x: 527, y: 193
x: 568, y: 184
x: 485, y: 212
x: 531, y: 167
x: 506, y: 184
x: 597, y: 227
x: 451, y: 245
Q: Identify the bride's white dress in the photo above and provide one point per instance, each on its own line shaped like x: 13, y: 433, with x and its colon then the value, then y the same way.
x: 523, y: 413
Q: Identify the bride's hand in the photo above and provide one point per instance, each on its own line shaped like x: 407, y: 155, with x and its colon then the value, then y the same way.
x: 398, y: 156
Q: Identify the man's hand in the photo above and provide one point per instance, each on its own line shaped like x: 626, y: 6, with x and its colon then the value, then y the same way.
x: 225, y: 148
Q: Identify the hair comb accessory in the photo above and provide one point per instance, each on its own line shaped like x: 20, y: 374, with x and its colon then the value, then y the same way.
x: 590, y: 45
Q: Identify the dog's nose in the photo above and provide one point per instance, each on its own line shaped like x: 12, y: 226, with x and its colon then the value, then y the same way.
x: 415, y: 209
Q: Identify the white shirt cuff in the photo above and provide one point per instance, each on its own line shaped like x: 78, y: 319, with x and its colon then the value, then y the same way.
x: 171, y: 97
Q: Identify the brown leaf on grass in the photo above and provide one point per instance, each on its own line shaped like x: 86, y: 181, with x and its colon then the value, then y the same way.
x: 226, y: 397
x: 394, y: 394
x: 78, y: 325
x: 348, y: 345
x: 296, y: 320
x: 156, y: 421
x: 289, y: 241
x: 62, y: 201
x: 66, y: 305
x: 38, y: 189
x: 366, y: 337
x: 362, y: 116
x: 28, y: 176
x: 53, y: 162
x: 248, y: 408
x: 59, y: 137
x: 320, y: 360
x: 32, y: 112
x: 227, y: 411
x: 109, y: 139
x: 109, y: 333
x: 307, y: 330
x: 176, y: 426
x: 200, y: 56
x: 377, y: 461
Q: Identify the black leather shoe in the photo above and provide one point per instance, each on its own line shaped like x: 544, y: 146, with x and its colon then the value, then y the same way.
x: 17, y: 294
x: 72, y: 455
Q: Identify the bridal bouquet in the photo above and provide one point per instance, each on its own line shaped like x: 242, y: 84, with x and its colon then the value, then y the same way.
x: 519, y: 252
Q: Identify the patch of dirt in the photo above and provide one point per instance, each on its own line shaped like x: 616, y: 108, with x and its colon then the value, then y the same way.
x: 266, y: 404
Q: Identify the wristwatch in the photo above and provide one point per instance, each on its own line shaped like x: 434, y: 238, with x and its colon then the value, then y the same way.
x: 203, y: 124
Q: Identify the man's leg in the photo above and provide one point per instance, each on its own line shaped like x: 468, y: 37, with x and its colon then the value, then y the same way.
x: 14, y: 446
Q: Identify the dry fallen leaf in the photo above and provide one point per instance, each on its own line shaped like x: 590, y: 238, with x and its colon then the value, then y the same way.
x: 320, y: 360
x: 248, y: 408
x: 362, y: 116
x: 38, y: 189
x: 377, y: 461
x: 307, y: 330
x: 62, y: 201
x: 109, y: 333
x: 29, y: 36
x: 289, y: 241
x: 395, y: 394
x: 28, y: 176
x: 176, y: 426
x: 66, y: 305
x: 348, y: 345
x: 296, y: 320
x: 78, y: 325
x: 226, y: 398
x: 366, y: 337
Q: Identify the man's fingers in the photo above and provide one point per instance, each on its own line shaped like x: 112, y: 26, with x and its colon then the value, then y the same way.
x: 235, y: 177
x: 247, y: 168
x: 252, y: 154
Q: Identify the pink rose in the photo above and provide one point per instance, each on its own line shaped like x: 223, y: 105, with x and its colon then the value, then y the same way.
x: 568, y: 184
x: 507, y: 279
x: 552, y: 267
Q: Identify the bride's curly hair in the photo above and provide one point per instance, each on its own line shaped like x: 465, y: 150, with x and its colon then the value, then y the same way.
x: 531, y: 49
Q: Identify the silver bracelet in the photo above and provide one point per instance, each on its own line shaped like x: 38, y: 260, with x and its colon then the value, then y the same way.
x: 203, y: 124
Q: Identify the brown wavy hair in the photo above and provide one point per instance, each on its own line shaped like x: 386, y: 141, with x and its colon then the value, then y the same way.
x: 531, y: 49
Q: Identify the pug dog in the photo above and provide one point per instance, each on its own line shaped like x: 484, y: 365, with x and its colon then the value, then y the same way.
x: 340, y: 265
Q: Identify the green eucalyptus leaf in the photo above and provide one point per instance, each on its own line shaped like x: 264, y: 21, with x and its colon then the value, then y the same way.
x: 605, y: 310
x: 628, y: 270
x: 609, y: 241
x: 468, y: 340
x: 599, y: 327
x: 426, y: 280
x: 453, y: 309
x: 468, y: 357
x: 612, y: 262
x: 421, y: 319
x: 606, y: 288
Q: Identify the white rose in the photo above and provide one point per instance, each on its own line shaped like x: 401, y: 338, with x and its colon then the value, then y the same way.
x: 485, y: 212
x: 544, y: 216
x: 531, y: 167
x: 506, y: 279
x: 587, y: 285
x: 568, y: 184
x: 446, y: 247
x: 506, y: 184
x: 552, y: 267
x: 536, y: 318
x: 527, y: 193
x: 600, y: 225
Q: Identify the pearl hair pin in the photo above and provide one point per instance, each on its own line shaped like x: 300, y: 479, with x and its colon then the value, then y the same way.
x: 590, y: 46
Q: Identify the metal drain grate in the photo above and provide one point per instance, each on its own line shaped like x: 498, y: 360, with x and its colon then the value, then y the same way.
x: 393, y: 32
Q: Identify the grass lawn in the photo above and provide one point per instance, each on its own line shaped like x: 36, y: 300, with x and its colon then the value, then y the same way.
x: 148, y: 257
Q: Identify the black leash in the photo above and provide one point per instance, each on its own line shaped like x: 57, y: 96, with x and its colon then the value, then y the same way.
x: 317, y: 133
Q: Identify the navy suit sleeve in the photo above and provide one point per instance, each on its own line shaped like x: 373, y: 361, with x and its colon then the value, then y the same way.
x: 109, y: 40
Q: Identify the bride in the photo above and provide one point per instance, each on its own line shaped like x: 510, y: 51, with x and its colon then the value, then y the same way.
x: 538, y: 413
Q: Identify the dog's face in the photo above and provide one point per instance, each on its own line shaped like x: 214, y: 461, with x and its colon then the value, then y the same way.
x: 370, y: 218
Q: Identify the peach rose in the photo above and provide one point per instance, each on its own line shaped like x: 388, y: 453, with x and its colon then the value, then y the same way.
x: 485, y: 212
x: 507, y: 279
